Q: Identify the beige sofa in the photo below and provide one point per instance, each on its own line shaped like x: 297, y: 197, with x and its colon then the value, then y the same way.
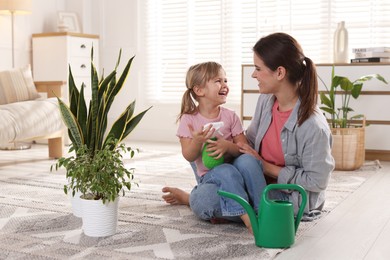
x: 33, y: 116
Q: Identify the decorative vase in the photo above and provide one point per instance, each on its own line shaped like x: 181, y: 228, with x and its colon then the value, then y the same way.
x: 340, y: 50
x: 99, y: 220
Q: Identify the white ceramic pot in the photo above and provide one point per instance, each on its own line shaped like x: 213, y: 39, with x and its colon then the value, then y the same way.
x: 76, y: 204
x: 99, y: 220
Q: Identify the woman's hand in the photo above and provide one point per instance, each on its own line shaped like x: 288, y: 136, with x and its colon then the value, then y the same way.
x: 246, y: 148
x: 269, y: 169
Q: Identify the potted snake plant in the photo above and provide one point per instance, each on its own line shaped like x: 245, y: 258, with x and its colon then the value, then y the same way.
x: 348, y: 136
x: 96, y: 169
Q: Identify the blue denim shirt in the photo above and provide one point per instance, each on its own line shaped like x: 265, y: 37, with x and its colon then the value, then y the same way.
x: 306, y: 148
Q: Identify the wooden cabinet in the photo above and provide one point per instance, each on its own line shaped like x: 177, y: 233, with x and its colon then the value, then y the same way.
x: 54, y: 52
x: 374, y: 101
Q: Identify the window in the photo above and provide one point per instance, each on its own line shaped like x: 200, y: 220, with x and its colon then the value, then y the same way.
x: 180, y: 33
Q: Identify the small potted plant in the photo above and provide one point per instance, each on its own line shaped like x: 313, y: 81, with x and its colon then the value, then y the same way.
x: 348, y: 137
x: 96, y: 170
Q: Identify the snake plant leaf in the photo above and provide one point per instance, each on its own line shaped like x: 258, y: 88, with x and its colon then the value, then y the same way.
x: 94, y: 108
x: 71, y: 123
x: 82, y: 112
x: 73, y: 93
x: 114, y: 89
x: 119, y: 126
x: 134, y: 122
x: 104, y: 83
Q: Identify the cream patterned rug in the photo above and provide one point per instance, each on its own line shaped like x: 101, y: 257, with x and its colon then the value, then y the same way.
x: 36, y: 220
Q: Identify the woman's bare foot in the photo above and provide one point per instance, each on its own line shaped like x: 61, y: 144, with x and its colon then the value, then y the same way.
x: 176, y: 196
x: 247, y: 222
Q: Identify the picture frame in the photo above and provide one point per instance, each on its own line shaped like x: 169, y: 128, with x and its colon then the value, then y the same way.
x: 68, y: 22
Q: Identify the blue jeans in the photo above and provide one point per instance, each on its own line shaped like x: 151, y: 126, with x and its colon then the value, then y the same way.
x: 243, y: 177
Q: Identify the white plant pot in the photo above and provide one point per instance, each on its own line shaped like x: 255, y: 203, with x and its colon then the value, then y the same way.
x: 76, y: 204
x: 99, y: 220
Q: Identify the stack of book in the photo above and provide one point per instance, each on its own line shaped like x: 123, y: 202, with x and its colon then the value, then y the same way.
x: 371, y: 54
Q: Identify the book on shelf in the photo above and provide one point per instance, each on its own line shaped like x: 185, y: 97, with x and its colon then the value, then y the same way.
x: 372, y: 59
x: 371, y: 54
x: 371, y: 49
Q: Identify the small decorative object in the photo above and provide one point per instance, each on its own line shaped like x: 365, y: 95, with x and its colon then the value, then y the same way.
x: 340, y: 50
x: 68, y: 22
x: 348, y: 137
x: 62, y: 26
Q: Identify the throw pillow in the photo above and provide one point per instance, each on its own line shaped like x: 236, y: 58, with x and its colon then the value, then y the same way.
x: 17, y: 85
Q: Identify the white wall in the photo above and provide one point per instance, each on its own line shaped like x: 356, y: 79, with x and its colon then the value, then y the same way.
x: 121, y: 26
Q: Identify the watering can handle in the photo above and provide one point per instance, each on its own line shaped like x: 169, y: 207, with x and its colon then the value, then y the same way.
x: 290, y: 187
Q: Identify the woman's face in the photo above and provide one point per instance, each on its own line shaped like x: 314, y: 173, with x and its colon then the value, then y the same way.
x: 267, y: 78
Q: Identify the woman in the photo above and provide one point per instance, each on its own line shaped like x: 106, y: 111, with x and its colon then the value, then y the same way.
x: 288, y: 136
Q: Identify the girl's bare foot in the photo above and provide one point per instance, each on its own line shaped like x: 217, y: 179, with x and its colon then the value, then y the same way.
x: 247, y: 222
x: 176, y: 196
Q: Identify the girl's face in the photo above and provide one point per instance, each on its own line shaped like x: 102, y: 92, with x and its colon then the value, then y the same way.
x: 216, y: 89
x: 267, y: 78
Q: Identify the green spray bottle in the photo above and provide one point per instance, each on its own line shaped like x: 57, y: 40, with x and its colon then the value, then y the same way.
x: 209, y: 161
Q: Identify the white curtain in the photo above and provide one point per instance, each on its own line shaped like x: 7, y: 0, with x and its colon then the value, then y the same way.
x: 180, y: 33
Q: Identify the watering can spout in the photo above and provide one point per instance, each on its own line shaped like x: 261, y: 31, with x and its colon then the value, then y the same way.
x: 248, y: 208
x: 275, y: 225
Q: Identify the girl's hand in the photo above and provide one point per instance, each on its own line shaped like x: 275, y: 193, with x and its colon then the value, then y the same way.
x: 200, y: 136
x: 246, y: 148
x: 217, y: 148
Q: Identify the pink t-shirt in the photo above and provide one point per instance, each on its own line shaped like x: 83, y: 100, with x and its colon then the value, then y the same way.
x: 232, y: 127
x: 271, y: 145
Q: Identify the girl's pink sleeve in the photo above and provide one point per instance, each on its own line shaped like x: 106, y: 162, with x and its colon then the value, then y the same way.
x: 237, y: 127
x: 183, y: 130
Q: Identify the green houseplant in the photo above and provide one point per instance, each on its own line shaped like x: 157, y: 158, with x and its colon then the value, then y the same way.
x: 348, y: 137
x: 96, y: 170
x: 339, y: 115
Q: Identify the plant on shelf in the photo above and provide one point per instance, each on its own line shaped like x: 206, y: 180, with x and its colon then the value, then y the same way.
x: 339, y: 116
x: 348, y: 147
x: 96, y: 170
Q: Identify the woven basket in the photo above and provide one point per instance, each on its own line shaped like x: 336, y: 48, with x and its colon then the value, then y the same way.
x: 348, y: 147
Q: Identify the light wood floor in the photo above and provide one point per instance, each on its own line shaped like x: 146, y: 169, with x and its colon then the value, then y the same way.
x: 358, y: 228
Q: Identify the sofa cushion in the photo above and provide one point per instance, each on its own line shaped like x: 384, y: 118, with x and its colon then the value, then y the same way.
x: 17, y: 85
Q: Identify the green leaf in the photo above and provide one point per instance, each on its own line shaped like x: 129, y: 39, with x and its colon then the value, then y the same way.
x: 328, y: 110
x: 326, y: 100
x: 356, y: 90
x: 134, y: 122
x: 71, y: 123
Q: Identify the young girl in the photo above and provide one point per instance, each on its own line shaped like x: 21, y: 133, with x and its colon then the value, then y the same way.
x: 207, y: 85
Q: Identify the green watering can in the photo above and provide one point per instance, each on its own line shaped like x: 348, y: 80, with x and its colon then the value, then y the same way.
x: 275, y: 226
